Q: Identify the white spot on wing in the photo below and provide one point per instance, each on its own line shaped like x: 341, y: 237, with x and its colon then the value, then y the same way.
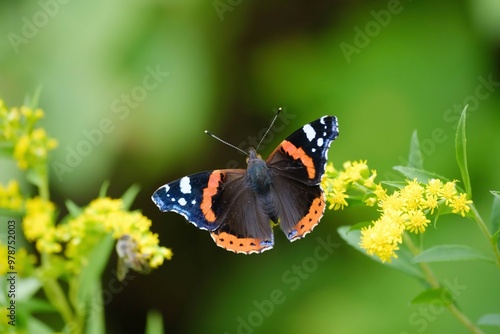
x: 320, y: 142
x: 182, y: 201
x: 193, y: 202
x: 309, y: 131
x: 185, y: 185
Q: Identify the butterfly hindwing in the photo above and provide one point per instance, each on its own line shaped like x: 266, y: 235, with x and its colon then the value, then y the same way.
x: 297, y: 166
x: 244, y: 227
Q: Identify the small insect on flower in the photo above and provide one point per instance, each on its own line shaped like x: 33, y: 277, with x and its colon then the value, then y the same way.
x: 130, y: 258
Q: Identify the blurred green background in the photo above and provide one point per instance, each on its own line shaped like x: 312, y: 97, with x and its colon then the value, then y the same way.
x: 129, y: 86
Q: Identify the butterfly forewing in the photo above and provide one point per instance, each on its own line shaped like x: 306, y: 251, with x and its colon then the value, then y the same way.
x: 303, y: 155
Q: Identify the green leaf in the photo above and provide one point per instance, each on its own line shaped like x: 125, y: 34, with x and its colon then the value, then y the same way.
x: 32, y: 102
x: 439, y: 296
x: 95, y: 323
x: 415, y: 158
x: 461, y: 152
x: 35, y: 305
x: 445, y: 253
x: 490, y: 320
x: 402, y: 263
x: 27, y: 287
x: 421, y: 175
x: 36, y: 326
x: 93, y: 271
x: 73, y: 209
x: 129, y: 196
x: 395, y: 184
x: 359, y: 226
x: 35, y: 178
x: 154, y: 323
x: 104, y: 189
x: 495, y: 217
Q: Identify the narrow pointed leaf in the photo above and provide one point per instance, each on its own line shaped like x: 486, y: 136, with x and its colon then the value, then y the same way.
x: 129, y: 196
x: 73, y: 209
x: 440, y: 296
x: 461, y: 152
x: 415, y: 158
x: 495, y: 217
x: 96, y: 264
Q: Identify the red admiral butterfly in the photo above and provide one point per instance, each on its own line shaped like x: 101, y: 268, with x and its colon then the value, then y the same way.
x: 238, y: 206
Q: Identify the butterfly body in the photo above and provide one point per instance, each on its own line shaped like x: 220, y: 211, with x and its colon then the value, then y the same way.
x: 237, y: 206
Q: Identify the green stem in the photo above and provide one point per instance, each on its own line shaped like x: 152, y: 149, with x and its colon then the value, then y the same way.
x: 43, y: 187
x: 431, y: 278
x: 482, y: 226
x: 54, y: 292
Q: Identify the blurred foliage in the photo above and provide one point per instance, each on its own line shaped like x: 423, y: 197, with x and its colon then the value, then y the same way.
x: 228, y: 67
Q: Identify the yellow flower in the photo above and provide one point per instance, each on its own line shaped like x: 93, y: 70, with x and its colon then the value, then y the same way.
x: 430, y: 202
x: 412, y: 194
x: 434, y: 188
x: 370, y: 182
x: 17, y: 131
x: 392, y: 202
x: 460, y: 204
x: 416, y: 221
x: 355, y: 170
x: 38, y: 219
x: 337, y: 199
x: 448, y: 191
x: 10, y: 196
x: 383, y: 237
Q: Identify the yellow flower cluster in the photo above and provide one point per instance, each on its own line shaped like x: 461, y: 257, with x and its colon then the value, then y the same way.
x: 17, y: 132
x: 404, y: 210
x: 10, y: 196
x: 355, y: 175
x: 39, y: 225
x: 81, y: 234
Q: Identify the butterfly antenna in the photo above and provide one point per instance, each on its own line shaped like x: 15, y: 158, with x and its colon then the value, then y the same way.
x: 225, y: 142
x: 269, y: 128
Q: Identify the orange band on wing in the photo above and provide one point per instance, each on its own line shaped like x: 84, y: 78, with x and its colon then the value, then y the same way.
x: 208, y: 193
x: 298, y: 153
x: 306, y: 224
x: 239, y: 245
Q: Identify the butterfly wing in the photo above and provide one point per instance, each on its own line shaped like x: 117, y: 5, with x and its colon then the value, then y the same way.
x: 191, y: 197
x: 221, y: 202
x: 297, y: 166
